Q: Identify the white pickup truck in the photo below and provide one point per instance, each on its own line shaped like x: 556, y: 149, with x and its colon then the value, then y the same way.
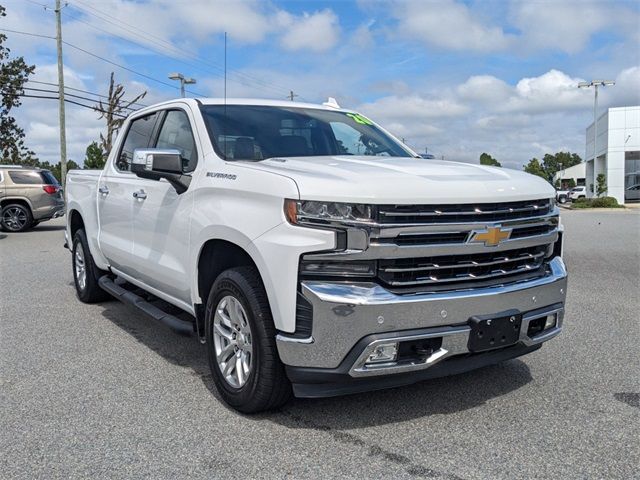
x: 312, y: 252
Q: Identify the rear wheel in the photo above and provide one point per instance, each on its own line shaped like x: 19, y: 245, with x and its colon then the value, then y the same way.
x: 241, y: 343
x: 16, y: 217
x: 85, y: 272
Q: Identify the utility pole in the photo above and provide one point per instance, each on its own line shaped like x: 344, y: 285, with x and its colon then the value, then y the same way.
x: 63, y: 133
x: 292, y: 95
x: 595, y: 84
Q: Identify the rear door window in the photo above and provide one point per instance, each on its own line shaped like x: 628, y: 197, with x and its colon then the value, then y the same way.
x: 138, y: 136
x: 26, y: 177
x: 176, y: 134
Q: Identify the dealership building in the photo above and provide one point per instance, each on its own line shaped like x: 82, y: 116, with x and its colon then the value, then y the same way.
x: 616, y: 153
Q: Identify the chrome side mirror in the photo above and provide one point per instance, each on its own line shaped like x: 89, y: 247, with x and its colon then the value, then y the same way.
x: 156, y: 163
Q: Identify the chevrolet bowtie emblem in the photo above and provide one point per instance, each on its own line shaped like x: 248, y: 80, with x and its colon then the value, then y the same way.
x: 491, y: 237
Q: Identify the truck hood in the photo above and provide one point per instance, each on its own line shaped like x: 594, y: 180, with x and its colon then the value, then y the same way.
x: 386, y: 180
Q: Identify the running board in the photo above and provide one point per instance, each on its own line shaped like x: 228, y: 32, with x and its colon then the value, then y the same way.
x: 179, y: 326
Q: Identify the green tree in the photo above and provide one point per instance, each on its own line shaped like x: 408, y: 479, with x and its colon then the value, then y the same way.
x: 534, y: 167
x: 94, y: 157
x: 486, y: 159
x: 14, y: 73
x: 601, y: 184
x: 551, y: 163
x: 56, y: 169
x: 571, y: 183
x: 114, y: 110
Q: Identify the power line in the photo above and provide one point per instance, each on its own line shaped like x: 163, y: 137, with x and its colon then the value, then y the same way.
x: 95, y: 109
x: 126, y: 68
x: 83, y: 91
x: 69, y: 95
x: 40, y: 4
x: 134, y: 30
x: 26, y: 33
x: 100, y: 58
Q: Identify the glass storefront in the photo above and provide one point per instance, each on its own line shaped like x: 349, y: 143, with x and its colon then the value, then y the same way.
x: 632, y: 176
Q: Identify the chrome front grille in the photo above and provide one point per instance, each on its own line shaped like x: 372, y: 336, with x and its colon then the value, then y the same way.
x: 482, y: 212
x: 460, y: 268
x: 417, y: 248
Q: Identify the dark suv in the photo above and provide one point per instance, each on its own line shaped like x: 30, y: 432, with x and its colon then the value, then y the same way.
x: 28, y: 196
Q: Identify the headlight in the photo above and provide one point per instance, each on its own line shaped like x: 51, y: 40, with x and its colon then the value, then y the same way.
x: 298, y: 211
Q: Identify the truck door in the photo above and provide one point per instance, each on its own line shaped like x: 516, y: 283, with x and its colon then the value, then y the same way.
x: 161, y: 217
x: 115, y: 195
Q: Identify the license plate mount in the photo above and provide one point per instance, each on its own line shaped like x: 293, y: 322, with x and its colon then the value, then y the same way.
x: 494, y: 331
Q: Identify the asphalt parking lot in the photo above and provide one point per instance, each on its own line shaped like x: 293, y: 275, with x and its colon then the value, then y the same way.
x: 94, y: 391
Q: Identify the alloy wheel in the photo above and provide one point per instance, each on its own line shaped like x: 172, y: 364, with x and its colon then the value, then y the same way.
x: 14, y: 218
x: 80, y: 267
x: 232, y: 341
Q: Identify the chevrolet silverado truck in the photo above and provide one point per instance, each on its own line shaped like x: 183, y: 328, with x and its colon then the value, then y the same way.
x: 312, y: 252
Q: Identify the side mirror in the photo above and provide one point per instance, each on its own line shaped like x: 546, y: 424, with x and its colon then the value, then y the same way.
x: 155, y: 163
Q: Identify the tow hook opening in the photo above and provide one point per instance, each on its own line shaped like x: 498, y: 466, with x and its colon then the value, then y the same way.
x: 418, y: 349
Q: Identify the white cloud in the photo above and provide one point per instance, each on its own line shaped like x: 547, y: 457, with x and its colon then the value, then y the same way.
x: 569, y: 25
x: 537, y: 115
x: 552, y: 91
x: 317, y: 31
x: 449, y: 25
x: 363, y: 37
x: 485, y: 89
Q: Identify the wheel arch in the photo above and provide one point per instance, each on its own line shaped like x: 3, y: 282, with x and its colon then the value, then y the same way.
x: 217, y: 255
x: 19, y: 200
x: 76, y: 222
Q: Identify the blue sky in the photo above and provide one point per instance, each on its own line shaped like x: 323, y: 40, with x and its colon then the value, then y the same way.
x: 460, y: 78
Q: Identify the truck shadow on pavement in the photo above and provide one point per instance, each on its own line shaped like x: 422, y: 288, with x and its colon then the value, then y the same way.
x: 441, y: 396
x: 49, y: 228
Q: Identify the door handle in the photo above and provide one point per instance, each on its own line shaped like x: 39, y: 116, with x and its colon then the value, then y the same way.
x: 140, y: 194
x: 104, y: 190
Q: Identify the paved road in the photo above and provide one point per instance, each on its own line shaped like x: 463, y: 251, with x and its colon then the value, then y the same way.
x: 100, y: 391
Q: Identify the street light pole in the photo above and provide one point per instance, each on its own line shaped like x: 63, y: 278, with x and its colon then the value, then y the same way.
x: 595, y: 84
x: 183, y: 81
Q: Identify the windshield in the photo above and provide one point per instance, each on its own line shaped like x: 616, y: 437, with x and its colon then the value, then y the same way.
x: 247, y: 132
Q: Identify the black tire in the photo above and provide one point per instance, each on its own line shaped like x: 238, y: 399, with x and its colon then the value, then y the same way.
x: 582, y: 196
x: 16, y: 217
x: 267, y: 386
x: 562, y: 199
x: 91, y: 291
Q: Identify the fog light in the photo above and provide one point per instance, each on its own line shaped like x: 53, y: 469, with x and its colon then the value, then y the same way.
x: 550, y: 321
x: 385, y: 352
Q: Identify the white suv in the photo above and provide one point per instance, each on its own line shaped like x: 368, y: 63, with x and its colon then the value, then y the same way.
x: 578, y: 192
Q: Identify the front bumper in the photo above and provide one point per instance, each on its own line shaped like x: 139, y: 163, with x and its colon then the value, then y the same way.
x: 346, y: 313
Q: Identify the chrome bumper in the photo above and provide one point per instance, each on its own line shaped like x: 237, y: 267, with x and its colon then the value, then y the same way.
x: 344, y: 313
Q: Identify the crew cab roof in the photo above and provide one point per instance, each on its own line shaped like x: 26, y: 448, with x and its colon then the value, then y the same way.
x: 241, y: 101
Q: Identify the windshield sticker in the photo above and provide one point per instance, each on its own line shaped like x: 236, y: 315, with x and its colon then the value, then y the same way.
x: 361, y: 119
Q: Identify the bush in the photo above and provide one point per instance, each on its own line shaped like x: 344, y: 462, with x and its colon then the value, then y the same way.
x: 582, y: 203
x: 602, y: 202
x: 605, y: 202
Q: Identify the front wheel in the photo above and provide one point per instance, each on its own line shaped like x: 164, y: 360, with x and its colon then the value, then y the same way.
x: 85, y: 271
x: 241, y: 343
